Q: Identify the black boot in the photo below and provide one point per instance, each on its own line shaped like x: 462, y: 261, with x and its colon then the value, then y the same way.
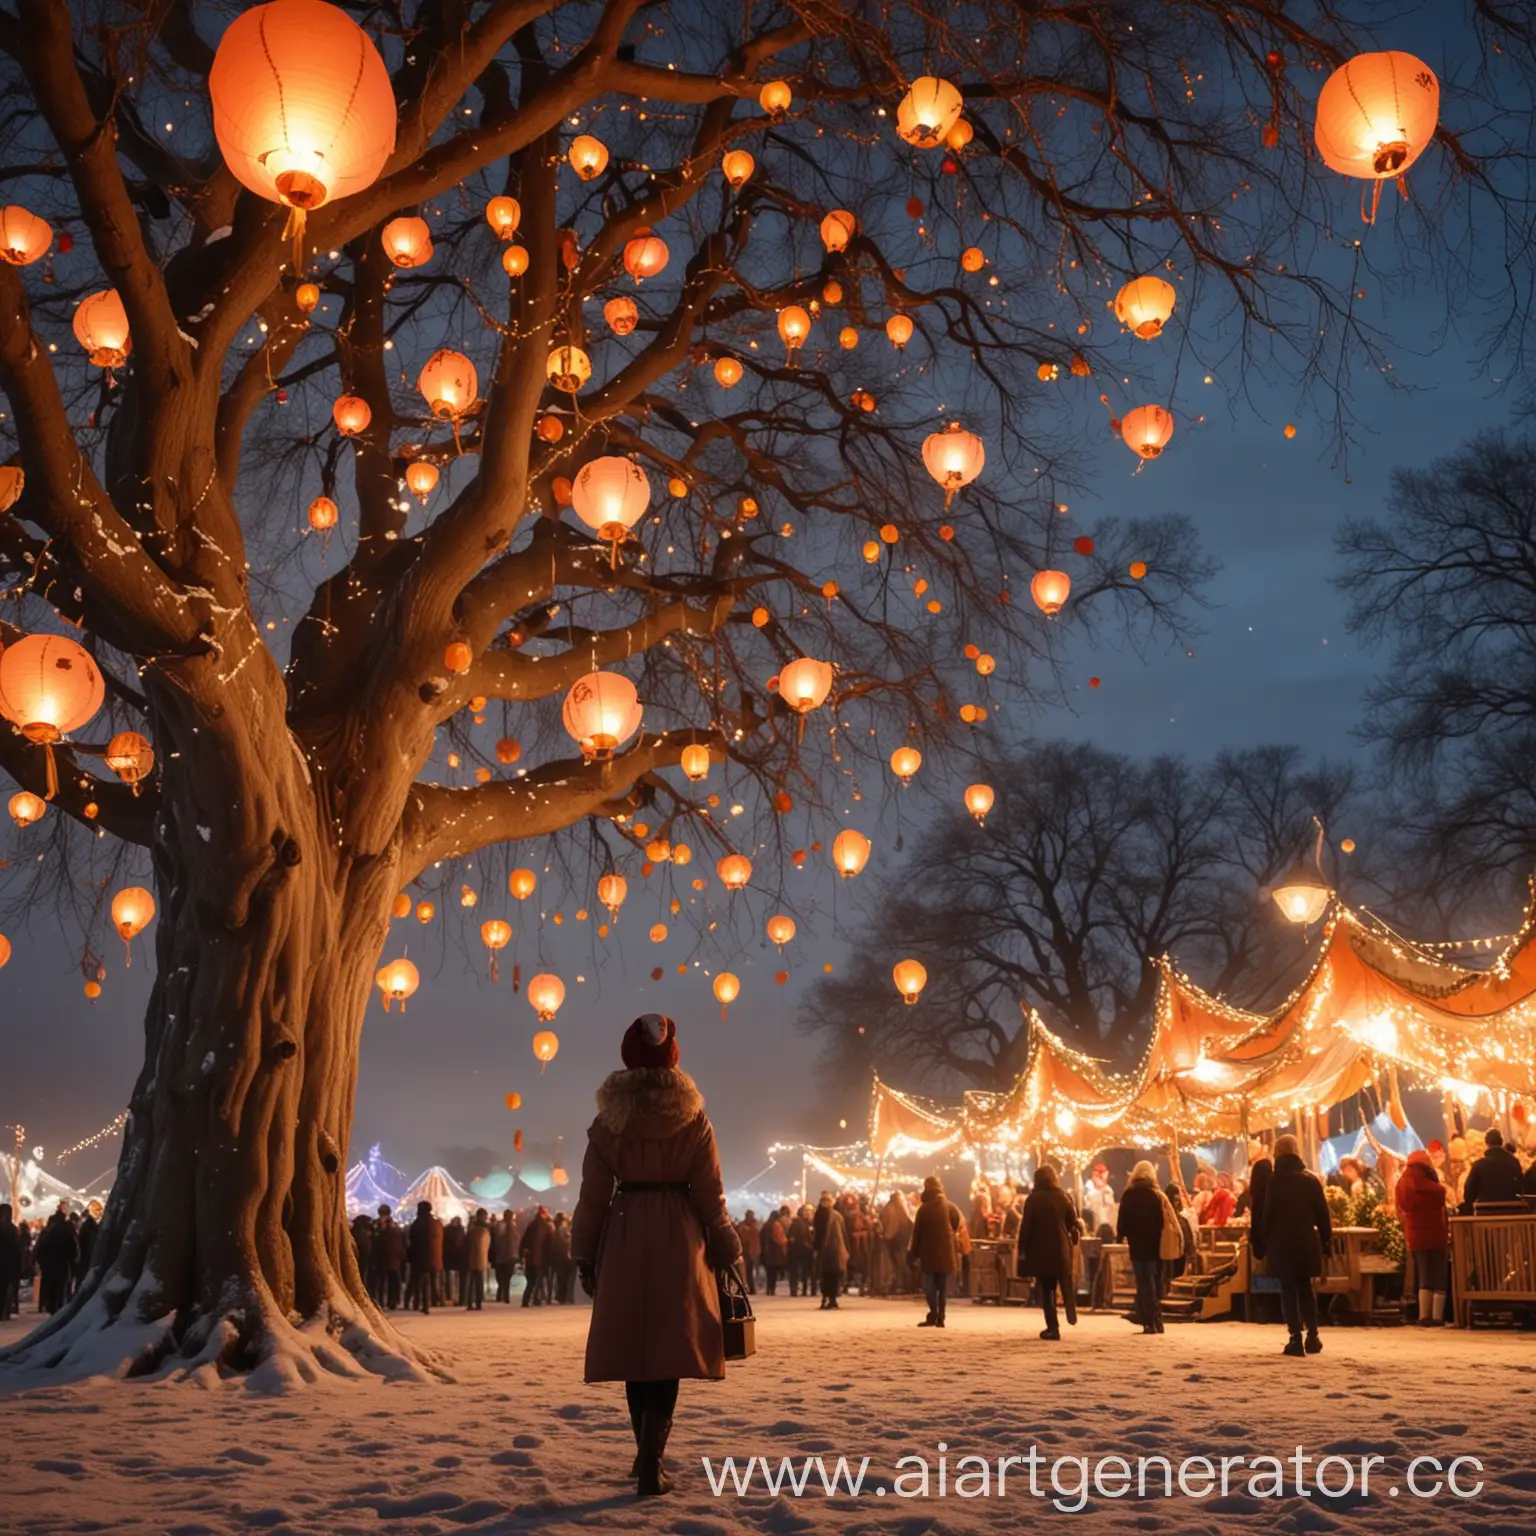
x: 652, y: 1476
x: 636, y: 1416
x: 1293, y: 1346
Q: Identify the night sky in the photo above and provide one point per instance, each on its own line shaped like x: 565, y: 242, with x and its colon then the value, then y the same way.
x: 1273, y: 664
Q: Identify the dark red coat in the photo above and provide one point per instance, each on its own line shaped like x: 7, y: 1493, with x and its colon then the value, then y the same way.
x: 1421, y: 1200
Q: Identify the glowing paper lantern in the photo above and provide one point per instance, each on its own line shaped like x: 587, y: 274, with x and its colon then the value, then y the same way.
x: 645, y: 254
x: 727, y: 990
x: 449, y: 384
x: 407, y: 242
x: 972, y: 259
x: 546, y: 992
x: 1303, y: 896
x: 910, y: 978
x: 959, y: 136
x: 421, y: 478
x: 508, y: 750
x: 588, y: 156
x: 928, y: 111
x: 568, y: 368
x: 5, y: 951
x: 611, y: 891
x: 513, y: 1101
x: 1376, y: 115
x: 954, y: 457
x: 1050, y: 590
x: 610, y: 495
x: 545, y: 1045
x: 25, y: 808
x: 979, y: 799
x: 425, y: 912
x: 850, y: 852
x: 24, y: 238
x: 514, y: 260
x: 133, y: 909
x: 129, y: 756
x: 1146, y: 430
x: 805, y: 683
x: 303, y: 108
x: 736, y: 165
x: 13, y: 482
x: 727, y: 372
x: 794, y: 327
x: 101, y: 327
x: 504, y: 214
x: 495, y: 934
x: 49, y: 686
x: 602, y: 711
x: 695, y: 762
x: 398, y: 982
x: 622, y: 315
x: 775, y: 97
x: 899, y: 329
x: 521, y: 883
x: 781, y: 930
x: 837, y: 229
x: 305, y: 297
x: 351, y: 413
x: 401, y: 905
x: 1144, y: 305
x: 735, y: 869
x: 905, y: 761
x: 323, y: 513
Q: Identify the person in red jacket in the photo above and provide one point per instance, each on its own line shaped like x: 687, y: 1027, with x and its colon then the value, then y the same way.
x: 1220, y: 1208
x: 1421, y: 1202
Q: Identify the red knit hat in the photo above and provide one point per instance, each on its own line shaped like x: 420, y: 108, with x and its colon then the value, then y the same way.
x: 651, y: 1041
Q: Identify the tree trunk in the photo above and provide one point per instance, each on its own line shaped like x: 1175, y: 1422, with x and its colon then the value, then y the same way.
x: 226, y: 1237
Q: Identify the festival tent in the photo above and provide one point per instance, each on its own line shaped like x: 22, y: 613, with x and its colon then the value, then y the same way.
x: 364, y: 1194
x: 449, y: 1198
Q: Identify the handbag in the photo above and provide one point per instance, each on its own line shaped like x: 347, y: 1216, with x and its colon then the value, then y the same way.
x: 736, y: 1319
x: 1171, y: 1244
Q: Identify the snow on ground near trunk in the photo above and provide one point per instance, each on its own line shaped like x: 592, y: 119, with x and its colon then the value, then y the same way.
x: 520, y: 1444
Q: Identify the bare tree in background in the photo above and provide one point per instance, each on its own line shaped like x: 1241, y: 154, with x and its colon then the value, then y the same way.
x: 298, y: 699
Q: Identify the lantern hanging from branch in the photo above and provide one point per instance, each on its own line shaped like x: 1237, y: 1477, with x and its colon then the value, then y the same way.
x: 13, y: 481
x: 727, y: 990
x: 1376, y: 115
x: 610, y: 495
x: 588, y: 156
x: 521, y: 883
x: 805, y: 683
x: 1147, y: 430
x: 514, y: 260
x: 910, y: 978
x: 1050, y: 590
x: 568, y: 368
x: 1303, y: 895
x: 611, y: 891
x: 450, y: 386
x: 727, y: 372
x: 407, y: 242
x: 622, y: 315
x: 546, y: 992
x: 1144, y: 305
x: 5, y: 951
x: 645, y: 254
x: 513, y: 1101
x: 495, y: 934
x: 959, y: 136
x: 905, y: 761
x: 928, y: 111
x: 322, y: 514
x: 130, y: 757
x: 775, y: 97
x: 979, y: 799
x: 602, y: 711
x: 398, y: 982
x: 303, y: 108
x: 24, y: 238
x: 546, y: 1045
x: 25, y: 808
x: 794, y: 327
x: 781, y: 930
x: 49, y: 686
x: 133, y: 909
x: 837, y: 229
x: 351, y: 413
x: 504, y: 214
x: 101, y: 327
x: 850, y: 852
x: 421, y: 477
x: 954, y: 457
x: 694, y: 762
x: 305, y: 297
x: 736, y: 165
x: 899, y: 328
x: 735, y: 870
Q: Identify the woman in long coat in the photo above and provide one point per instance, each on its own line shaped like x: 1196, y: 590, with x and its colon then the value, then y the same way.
x: 1296, y: 1231
x: 1047, y: 1235
x: 650, y: 1231
x: 934, y: 1250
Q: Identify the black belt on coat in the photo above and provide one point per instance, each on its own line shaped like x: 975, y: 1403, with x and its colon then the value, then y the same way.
x: 642, y: 1186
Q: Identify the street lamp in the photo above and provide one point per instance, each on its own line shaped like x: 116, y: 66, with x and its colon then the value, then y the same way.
x: 1303, y: 896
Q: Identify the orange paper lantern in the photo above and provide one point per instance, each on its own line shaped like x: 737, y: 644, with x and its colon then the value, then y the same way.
x: 101, y: 327
x: 588, y: 156
x: 622, y: 315
x: 49, y: 686
x: 129, y: 756
x: 850, y: 852
x: 736, y: 166
x: 954, y: 457
x: 449, y: 384
x: 910, y: 978
x: 407, y: 242
x: 1147, y: 430
x: 24, y: 237
x: 928, y: 111
x: 979, y: 799
x: 645, y: 254
x: 1144, y: 305
x: 398, y: 982
x: 1377, y: 114
x: 602, y: 711
x: 1050, y: 590
x: 899, y: 329
x: 504, y: 214
x: 323, y: 513
x: 351, y: 413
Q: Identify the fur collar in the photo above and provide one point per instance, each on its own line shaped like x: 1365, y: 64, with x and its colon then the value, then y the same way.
x: 666, y: 1095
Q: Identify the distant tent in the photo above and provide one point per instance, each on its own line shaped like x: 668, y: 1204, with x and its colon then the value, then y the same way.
x: 37, y: 1193
x: 365, y: 1194
x: 449, y: 1198
x: 385, y: 1174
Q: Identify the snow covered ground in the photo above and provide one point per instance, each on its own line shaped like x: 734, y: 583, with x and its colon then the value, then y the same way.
x: 519, y: 1444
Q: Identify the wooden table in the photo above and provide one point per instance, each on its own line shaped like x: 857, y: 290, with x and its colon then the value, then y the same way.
x: 1493, y: 1262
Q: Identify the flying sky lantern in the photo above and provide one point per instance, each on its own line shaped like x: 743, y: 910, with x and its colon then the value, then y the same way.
x: 351, y: 413
x: 303, y: 108
x: 979, y: 799
x: 514, y: 260
x: 322, y: 514
x: 727, y: 372
x: 568, y: 368
x: 49, y: 686
x: 24, y: 237
x: 130, y: 756
x: 546, y: 992
x: 1147, y: 430
x: 794, y: 327
x: 407, y: 242
x: 602, y: 711
x: 910, y: 978
x: 850, y: 852
x: 622, y: 315
x: 805, y: 683
x: 954, y: 457
x: 736, y: 165
x: 546, y: 1045
x: 398, y: 982
x: 133, y: 909
x: 611, y: 891
x: 837, y: 229
x: 1375, y: 116
x: 1144, y: 305
x: 588, y: 156
x: 101, y: 327
x: 495, y: 934
x: 521, y: 883
x: 959, y: 136
x: 25, y: 808
x: 781, y: 930
x: 735, y: 870
x: 1050, y: 590
x: 503, y: 214
x: 645, y: 254
x: 928, y: 111
x: 727, y: 989
x: 899, y: 329
x: 694, y: 762
x: 421, y: 477
x: 905, y: 761
x: 775, y: 97
x: 610, y: 495
x: 13, y: 482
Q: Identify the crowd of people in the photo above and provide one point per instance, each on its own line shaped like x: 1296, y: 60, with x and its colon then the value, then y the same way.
x: 52, y: 1255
